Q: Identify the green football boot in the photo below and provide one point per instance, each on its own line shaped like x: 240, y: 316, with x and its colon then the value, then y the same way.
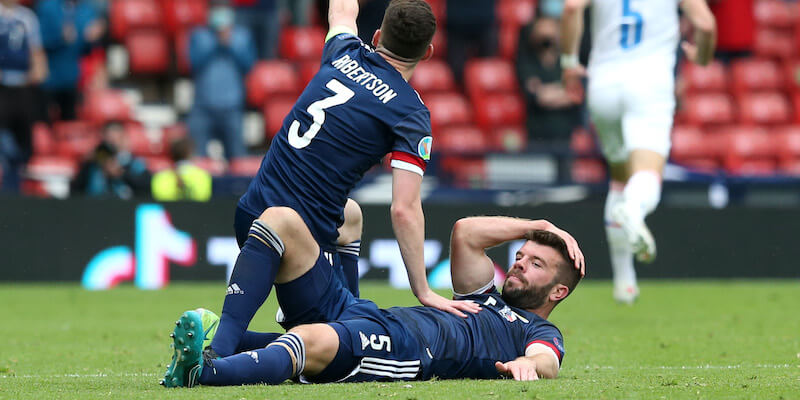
x: 188, y: 339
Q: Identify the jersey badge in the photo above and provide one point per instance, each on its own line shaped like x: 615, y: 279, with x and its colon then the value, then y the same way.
x: 424, y: 148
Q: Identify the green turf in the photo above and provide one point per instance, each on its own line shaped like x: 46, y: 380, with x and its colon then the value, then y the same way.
x: 682, y: 340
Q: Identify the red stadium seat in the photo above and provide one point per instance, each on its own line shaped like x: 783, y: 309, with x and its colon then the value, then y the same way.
x: 489, y: 75
x: 68, y: 129
x: 157, y: 163
x: 433, y: 76
x: 789, y: 167
x: 447, y: 110
x: 173, y: 132
x: 712, y: 108
x: 755, y: 75
x: 275, y: 111
x: 141, y: 145
x: 787, y: 143
x: 181, y: 48
x: 711, y: 78
x: 148, y: 52
x: 460, y: 140
x: 302, y: 44
x: 129, y: 15
x: 44, y: 166
x: 515, y: 12
x: 271, y: 78
x: 439, y: 8
x: 748, y: 151
x: 771, y: 43
x: 101, y: 106
x: 509, y: 41
x: 466, y: 172
x: 182, y: 15
x: 214, y: 167
x: 307, y: 70
x: 77, y: 147
x: 792, y: 74
x: 498, y: 108
x: 764, y: 108
x: 775, y: 13
x: 43, y: 141
x: 245, y: 166
x: 692, y: 148
x: 589, y: 170
x: 439, y: 43
x: 509, y: 139
x: 582, y: 143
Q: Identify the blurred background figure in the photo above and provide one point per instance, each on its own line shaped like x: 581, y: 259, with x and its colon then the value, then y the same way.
x: 185, y: 181
x: 737, y: 28
x: 552, y: 113
x: 221, y: 55
x: 471, y: 32
x: 262, y: 19
x: 69, y: 29
x: 112, y: 171
x: 299, y: 10
x: 23, y: 66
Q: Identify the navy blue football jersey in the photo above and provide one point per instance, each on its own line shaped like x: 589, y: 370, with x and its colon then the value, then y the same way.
x: 469, y: 347
x: 356, y: 110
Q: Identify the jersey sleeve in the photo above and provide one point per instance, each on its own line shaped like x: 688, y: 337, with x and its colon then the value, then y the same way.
x: 339, y: 40
x: 412, y: 142
x: 547, y: 339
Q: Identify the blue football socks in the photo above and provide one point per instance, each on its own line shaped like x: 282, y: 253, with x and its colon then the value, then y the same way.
x: 282, y: 359
x: 349, y: 258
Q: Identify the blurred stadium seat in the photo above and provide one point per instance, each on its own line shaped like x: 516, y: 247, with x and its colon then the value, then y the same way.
x: 181, y: 16
x: 764, y: 108
x: 275, y: 111
x: 489, y: 75
x: 245, y: 166
x: 101, y: 106
x: 748, y: 151
x: 439, y: 8
x: 498, y: 108
x: 448, y: 109
x: 214, y: 167
x: 708, y: 108
x: 775, y: 13
x: 141, y: 144
x: 43, y: 141
x: 433, y: 76
x: 181, y: 50
x: 588, y: 170
x: 771, y: 43
x: 42, y: 166
x: 755, y: 75
x: 787, y: 148
x: 148, y: 52
x: 711, y: 78
x: 465, y: 172
x: 157, y: 163
x: 515, y: 12
x: 271, y: 78
x: 508, y: 41
x: 302, y: 44
x: 307, y: 70
x: 582, y: 143
x: 461, y: 140
x: 128, y: 15
x: 439, y: 43
x: 692, y: 148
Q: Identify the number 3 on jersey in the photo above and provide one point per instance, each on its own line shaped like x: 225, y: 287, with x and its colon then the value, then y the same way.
x: 630, y: 20
x: 317, y: 111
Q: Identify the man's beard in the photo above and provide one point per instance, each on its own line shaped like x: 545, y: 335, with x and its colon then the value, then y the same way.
x: 527, y: 296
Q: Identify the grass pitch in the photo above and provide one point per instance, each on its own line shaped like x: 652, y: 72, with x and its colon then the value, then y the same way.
x: 683, y: 339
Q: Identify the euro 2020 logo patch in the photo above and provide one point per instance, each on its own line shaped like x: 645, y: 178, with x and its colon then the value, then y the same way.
x: 424, y: 147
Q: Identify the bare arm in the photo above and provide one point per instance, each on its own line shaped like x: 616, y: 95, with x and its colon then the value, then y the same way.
x: 343, y: 13
x: 471, y: 268
x: 705, y: 31
x: 38, y: 71
x: 530, y: 367
x: 408, y: 222
x: 571, y: 31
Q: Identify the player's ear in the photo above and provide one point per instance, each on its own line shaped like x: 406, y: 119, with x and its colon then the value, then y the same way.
x: 376, y: 38
x: 558, y: 292
x: 428, y: 53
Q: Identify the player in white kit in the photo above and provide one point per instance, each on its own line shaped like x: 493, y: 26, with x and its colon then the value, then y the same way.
x: 631, y: 99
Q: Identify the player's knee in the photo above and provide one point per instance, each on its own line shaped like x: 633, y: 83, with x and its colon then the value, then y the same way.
x: 353, y: 223
x: 321, y: 344
x: 281, y: 219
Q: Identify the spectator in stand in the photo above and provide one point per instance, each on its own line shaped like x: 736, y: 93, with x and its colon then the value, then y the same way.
x: 736, y: 26
x: 300, y: 11
x: 69, y: 29
x: 552, y: 112
x: 23, y: 66
x: 262, y: 19
x: 221, y: 55
x: 471, y: 32
x: 185, y: 181
x: 370, y: 17
x: 112, y: 171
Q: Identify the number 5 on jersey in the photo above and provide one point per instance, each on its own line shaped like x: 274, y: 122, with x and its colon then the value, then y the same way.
x: 317, y: 111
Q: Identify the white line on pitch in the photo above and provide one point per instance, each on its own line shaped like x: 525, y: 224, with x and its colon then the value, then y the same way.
x: 692, y: 367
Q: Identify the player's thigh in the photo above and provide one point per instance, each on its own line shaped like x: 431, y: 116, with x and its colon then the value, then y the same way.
x: 647, y: 122
x: 300, y: 247
x: 605, y: 108
x: 353, y: 225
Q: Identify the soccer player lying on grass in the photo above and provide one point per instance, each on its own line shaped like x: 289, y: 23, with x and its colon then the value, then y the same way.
x: 359, y: 342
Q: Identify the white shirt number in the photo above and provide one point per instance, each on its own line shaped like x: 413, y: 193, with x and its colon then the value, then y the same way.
x: 317, y: 111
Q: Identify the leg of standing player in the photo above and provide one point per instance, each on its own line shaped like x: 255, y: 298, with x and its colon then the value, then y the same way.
x: 278, y: 247
x: 348, y: 244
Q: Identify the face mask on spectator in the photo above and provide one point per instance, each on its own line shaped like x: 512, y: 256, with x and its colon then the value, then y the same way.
x: 221, y: 17
x: 551, y: 8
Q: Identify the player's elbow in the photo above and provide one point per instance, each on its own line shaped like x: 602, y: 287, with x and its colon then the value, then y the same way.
x: 572, y: 7
x: 706, y: 24
x: 462, y: 231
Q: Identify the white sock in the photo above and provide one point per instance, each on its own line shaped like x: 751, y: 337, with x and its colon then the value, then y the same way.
x: 644, y: 190
x: 618, y: 246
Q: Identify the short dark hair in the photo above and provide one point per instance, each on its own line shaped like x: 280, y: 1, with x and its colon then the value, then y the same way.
x: 408, y: 28
x: 566, y: 273
x: 181, y: 149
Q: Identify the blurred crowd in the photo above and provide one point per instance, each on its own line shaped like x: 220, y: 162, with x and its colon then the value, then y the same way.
x: 55, y: 53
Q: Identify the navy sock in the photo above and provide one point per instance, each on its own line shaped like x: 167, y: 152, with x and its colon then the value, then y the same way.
x: 283, y: 359
x: 256, y: 340
x: 349, y: 258
x: 250, y: 284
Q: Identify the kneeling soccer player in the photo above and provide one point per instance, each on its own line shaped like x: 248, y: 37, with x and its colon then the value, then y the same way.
x: 358, y: 342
